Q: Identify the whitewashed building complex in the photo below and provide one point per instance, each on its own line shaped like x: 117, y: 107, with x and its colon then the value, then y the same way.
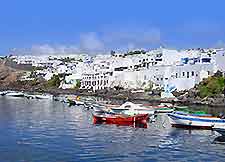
x: 133, y: 70
x: 183, y: 69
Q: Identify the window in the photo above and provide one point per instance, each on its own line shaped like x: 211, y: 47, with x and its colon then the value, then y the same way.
x: 192, y: 73
x: 187, y: 74
x: 145, y: 77
x: 183, y: 73
x: 176, y: 75
x: 206, y: 60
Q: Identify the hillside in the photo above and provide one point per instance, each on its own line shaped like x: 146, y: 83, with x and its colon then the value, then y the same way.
x: 8, y: 75
x: 210, y: 91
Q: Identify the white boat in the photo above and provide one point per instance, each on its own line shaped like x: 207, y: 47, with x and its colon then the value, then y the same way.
x: 79, y: 102
x: 44, y: 96
x: 187, y: 120
x: 29, y: 96
x: 15, y: 94
x: 3, y: 93
x: 130, y: 108
x: 74, y: 100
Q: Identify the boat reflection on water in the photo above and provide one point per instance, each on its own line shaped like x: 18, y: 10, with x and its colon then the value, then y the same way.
x: 130, y: 124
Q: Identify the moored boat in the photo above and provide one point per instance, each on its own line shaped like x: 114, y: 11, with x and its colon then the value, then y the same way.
x: 119, y: 119
x: 164, y: 110
x: 74, y: 101
x: 181, y: 107
x: 79, y: 102
x: 43, y: 96
x: 195, y: 121
x: 130, y: 108
x: 15, y: 94
x: 3, y: 93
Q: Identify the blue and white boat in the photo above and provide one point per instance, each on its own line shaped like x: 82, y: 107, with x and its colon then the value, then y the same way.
x: 188, y: 120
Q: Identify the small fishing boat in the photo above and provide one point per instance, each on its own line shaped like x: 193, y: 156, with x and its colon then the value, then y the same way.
x: 188, y: 110
x: 75, y: 101
x: 130, y: 108
x: 161, y: 105
x: 44, y: 96
x: 164, y: 110
x: 180, y: 108
x: 109, y: 118
x: 29, y: 96
x: 15, y: 94
x: 178, y: 119
x: 3, y: 93
x: 79, y: 102
x: 88, y: 105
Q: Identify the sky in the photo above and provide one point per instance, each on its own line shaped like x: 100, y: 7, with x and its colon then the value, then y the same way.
x: 65, y: 26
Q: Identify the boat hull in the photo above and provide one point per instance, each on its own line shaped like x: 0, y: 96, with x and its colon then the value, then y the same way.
x: 120, y: 119
x: 164, y: 110
x: 15, y: 94
x: 201, y: 122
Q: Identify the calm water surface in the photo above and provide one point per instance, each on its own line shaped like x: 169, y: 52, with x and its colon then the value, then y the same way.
x: 49, y: 131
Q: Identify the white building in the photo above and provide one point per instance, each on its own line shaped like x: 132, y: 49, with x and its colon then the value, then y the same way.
x: 132, y: 70
x: 220, y: 60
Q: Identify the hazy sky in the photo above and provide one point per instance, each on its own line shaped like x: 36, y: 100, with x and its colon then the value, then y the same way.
x: 97, y: 25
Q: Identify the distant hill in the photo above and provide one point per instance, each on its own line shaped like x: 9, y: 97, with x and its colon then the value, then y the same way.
x: 8, y: 74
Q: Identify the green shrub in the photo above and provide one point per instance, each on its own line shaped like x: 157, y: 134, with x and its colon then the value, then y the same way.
x: 211, y: 86
x: 54, y: 82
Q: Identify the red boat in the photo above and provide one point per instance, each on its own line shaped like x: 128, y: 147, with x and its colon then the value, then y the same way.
x: 120, y: 119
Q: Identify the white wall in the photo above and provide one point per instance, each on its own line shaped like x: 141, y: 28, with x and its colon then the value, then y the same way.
x: 220, y: 60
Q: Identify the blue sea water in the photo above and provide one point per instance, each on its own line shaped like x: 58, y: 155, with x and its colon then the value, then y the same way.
x: 50, y: 131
